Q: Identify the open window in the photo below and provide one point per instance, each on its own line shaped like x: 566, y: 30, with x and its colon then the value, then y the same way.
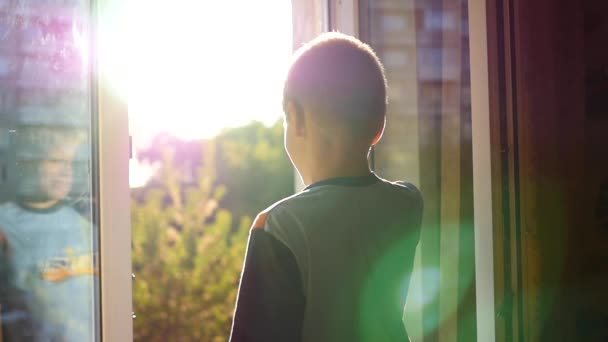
x: 63, y: 178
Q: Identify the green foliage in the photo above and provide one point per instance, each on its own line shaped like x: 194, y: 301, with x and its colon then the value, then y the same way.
x: 190, y: 227
x: 254, y: 167
x: 187, y: 257
x: 251, y: 164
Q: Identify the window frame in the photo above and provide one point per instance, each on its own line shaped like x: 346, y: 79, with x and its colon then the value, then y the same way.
x: 482, y: 172
x: 111, y: 154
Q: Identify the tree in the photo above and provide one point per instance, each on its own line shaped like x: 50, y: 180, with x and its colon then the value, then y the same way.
x: 187, y: 257
x: 190, y: 227
x: 251, y: 163
x: 254, y: 166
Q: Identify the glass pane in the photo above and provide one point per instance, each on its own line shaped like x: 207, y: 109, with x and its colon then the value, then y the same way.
x: 424, y: 47
x: 47, y: 238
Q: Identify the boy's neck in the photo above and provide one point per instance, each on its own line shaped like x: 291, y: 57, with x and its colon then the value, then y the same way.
x: 41, y: 205
x: 343, y: 166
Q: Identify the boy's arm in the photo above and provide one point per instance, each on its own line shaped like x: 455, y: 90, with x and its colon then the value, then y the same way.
x: 270, y: 302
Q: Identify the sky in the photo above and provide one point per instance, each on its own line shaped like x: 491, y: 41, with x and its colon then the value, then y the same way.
x: 196, y: 67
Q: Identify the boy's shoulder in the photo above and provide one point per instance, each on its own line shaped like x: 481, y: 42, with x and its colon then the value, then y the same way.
x: 289, y: 211
x: 410, y: 189
x: 277, y: 209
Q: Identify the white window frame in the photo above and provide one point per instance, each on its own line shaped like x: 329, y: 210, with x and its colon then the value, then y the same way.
x: 114, y: 206
x: 346, y: 16
x: 482, y: 171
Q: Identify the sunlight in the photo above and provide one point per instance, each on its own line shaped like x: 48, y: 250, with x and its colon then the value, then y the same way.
x: 203, y: 66
x: 196, y: 67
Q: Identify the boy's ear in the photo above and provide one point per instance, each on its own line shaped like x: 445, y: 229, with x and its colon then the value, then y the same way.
x: 296, y: 117
x: 380, y: 133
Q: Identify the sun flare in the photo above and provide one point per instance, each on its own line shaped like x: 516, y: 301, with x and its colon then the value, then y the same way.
x: 195, y: 67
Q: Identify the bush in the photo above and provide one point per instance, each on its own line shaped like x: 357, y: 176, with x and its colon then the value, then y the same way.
x: 187, y: 257
x: 190, y: 225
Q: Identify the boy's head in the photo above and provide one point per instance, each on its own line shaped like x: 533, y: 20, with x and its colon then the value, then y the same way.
x: 47, y: 156
x: 335, y: 92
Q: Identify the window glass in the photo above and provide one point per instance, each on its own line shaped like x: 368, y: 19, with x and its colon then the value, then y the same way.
x: 424, y: 47
x: 48, y: 276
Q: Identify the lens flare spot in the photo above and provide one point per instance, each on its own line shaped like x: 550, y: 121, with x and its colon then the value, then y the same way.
x: 418, y: 297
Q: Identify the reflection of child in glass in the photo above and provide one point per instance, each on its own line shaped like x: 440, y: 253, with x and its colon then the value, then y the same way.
x: 50, y: 249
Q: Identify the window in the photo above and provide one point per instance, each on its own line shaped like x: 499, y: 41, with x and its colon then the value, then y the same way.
x: 428, y: 142
x: 48, y: 241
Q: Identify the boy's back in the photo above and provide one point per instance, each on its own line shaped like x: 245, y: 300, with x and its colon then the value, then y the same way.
x: 331, y: 263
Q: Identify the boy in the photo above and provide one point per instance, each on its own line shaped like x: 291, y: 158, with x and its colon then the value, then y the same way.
x: 331, y: 263
x: 46, y: 244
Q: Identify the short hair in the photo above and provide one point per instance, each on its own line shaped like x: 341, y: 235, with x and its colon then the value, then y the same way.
x: 38, y: 142
x: 339, y: 78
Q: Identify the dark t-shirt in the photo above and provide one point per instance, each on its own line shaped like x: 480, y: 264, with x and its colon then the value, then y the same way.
x: 331, y: 263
